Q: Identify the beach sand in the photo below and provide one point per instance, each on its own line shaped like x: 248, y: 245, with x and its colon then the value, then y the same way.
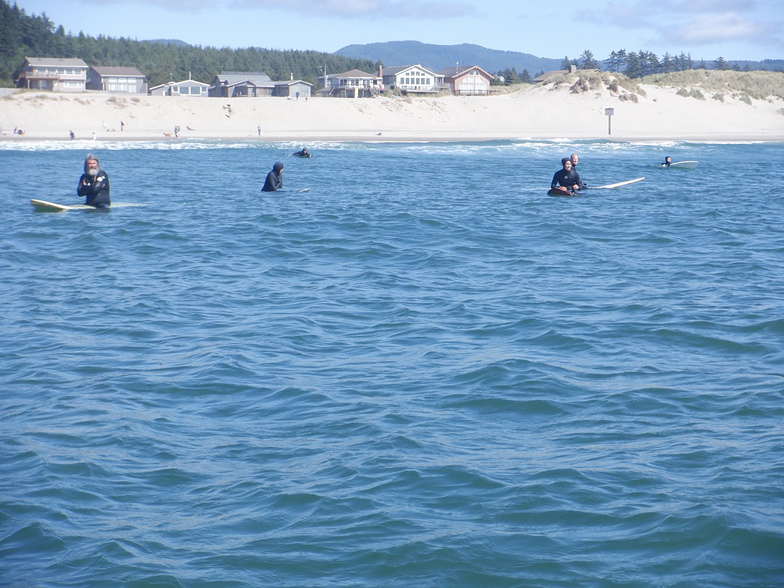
x: 535, y: 112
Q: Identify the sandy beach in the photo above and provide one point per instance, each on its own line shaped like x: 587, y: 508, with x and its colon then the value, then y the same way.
x: 658, y: 113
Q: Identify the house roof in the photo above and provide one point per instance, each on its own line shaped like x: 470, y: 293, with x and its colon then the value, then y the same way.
x: 232, y: 78
x: 456, y: 70
x: 549, y: 74
x: 354, y: 73
x: 128, y: 72
x: 292, y: 83
x: 56, y: 61
x: 182, y: 83
x: 393, y: 71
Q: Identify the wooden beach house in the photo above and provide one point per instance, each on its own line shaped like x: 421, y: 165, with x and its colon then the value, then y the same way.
x: 469, y: 80
x: 56, y: 74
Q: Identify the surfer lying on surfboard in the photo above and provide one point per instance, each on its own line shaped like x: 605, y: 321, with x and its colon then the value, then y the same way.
x: 566, y: 177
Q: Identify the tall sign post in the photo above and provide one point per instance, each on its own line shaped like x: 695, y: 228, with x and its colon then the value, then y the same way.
x: 609, y: 112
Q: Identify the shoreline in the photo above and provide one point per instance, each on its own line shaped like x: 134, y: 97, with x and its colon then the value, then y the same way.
x: 391, y: 139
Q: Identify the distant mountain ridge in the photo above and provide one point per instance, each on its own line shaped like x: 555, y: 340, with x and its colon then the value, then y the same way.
x: 438, y: 57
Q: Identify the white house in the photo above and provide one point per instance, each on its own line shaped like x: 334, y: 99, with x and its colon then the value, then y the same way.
x: 53, y: 73
x: 190, y: 88
x: 412, y: 79
x: 351, y: 84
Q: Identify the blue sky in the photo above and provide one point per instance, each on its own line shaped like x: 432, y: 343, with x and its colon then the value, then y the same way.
x: 705, y: 29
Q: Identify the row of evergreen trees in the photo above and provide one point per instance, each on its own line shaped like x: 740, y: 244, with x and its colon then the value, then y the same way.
x: 23, y: 36
x: 644, y: 63
x: 633, y: 65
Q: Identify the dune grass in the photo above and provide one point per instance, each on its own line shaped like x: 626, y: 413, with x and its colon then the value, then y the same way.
x: 720, y: 84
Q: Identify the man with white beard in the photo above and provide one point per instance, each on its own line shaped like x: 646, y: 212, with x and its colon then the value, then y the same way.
x: 94, y: 183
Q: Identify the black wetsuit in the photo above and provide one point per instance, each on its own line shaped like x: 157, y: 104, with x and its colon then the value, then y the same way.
x: 583, y: 185
x: 301, y: 154
x: 274, y: 180
x: 96, y: 189
x: 567, y: 179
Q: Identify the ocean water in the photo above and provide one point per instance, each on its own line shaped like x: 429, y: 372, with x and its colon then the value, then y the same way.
x: 422, y: 372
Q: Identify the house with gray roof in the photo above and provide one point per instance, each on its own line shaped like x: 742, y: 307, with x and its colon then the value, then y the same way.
x: 234, y: 84
x: 351, y: 84
x: 55, y: 74
x: 293, y: 89
x: 190, y: 88
x: 469, y: 80
x: 412, y: 79
x: 122, y: 80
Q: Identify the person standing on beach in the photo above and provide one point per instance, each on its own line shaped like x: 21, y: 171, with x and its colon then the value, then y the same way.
x: 566, y: 177
x: 94, y: 183
x: 274, y: 179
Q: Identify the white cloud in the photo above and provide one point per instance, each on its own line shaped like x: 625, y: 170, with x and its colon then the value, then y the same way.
x: 362, y: 9
x: 718, y: 28
x: 371, y: 9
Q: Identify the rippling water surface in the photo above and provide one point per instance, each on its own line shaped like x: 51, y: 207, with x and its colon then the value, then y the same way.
x: 422, y: 372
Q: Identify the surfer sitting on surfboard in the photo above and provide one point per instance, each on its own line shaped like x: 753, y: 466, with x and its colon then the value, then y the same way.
x: 566, y: 177
x: 274, y: 179
x: 667, y: 161
x: 94, y: 183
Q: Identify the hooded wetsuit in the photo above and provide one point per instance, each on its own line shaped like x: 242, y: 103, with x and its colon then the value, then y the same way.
x: 274, y: 180
x: 567, y: 179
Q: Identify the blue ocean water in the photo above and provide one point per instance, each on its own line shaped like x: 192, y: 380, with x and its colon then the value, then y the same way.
x: 421, y: 372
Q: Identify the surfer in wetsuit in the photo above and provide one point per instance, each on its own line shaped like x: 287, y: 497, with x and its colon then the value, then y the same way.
x: 274, y: 179
x: 302, y: 153
x: 575, y: 160
x: 94, y: 183
x: 667, y: 161
x: 566, y: 177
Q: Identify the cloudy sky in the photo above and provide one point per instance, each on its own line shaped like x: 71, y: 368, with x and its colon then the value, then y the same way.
x: 705, y: 29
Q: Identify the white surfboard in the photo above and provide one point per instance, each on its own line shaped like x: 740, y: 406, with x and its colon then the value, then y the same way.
x: 46, y: 206
x: 682, y: 164
x: 618, y: 184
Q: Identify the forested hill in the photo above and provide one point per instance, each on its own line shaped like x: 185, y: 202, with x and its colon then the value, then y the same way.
x: 23, y: 35
x: 438, y: 57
